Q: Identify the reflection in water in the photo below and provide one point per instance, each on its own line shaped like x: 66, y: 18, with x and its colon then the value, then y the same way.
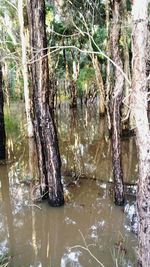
x: 86, y: 148
x: 7, y: 215
x: 34, y: 234
x: 71, y: 258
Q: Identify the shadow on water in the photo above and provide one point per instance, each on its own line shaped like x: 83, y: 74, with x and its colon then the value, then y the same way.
x: 36, y: 235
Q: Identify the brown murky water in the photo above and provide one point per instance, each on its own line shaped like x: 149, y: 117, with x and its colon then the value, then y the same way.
x: 36, y: 235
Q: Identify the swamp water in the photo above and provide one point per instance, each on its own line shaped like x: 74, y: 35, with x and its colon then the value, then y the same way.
x: 89, y: 225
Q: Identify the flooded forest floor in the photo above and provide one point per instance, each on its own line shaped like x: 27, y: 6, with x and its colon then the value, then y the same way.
x: 89, y: 230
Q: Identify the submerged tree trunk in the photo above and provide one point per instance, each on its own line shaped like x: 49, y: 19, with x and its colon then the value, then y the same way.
x: 45, y: 131
x: 25, y: 70
x: 2, y: 126
x: 116, y: 103
x: 139, y: 108
x: 73, y: 86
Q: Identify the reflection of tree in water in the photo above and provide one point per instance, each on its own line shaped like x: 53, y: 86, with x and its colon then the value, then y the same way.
x: 2, y: 125
x: 86, y: 146
x: 99, y: 228
x: 16, y: 198
x: 8, y: 213
x: 42, y: 236
x: 80, y: 133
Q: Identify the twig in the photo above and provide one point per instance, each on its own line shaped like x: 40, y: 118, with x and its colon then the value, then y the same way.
x: 11, y: 4
x: 64, y: 35
x: 116, y: 263
x: 34, y: 205
x: 87, y: 249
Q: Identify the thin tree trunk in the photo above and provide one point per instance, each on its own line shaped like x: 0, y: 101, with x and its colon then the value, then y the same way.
x: 7, y: 84
x: 25, y: 70
x: 2, y: 125
x: 139, y: 108
x: 126, y: 59
x: 127, y: 121
x: 73, y: 86
x: 53, y: 90
x: 66, y: 82
x: 108, y: 76
x: 75, y: 69
x: 100, y: 84
x: 116, y: 103
x: 7, y: 200
x: 148, y: 68
x: 45, y: 130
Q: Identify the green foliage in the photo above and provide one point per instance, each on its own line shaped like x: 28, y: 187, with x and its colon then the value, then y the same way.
x: 149, y: 13
x: 59, y: 27
x: 11, y: 125
x: 100, y: 39
x: 129, y: 5
x: 86, y: 77
x: 49, y: 15
x: 4, y: 262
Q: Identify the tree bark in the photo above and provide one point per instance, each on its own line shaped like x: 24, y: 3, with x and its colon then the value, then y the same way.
x: 2, y: 125
x: 53, y: 90
x: 100, y: 84
x: 108, y: 74
x: 126, y: 59
x: 45, y: 131
x: 75, y: 73
x: 116, y: 103
x: 6, y: 83
x: 25, y: 70
x: 73, y: 88
x: 139, y: 108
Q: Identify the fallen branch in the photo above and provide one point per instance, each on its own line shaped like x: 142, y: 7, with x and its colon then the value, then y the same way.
x: 86, y: 247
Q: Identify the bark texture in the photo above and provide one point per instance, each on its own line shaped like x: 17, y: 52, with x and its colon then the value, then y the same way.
x: 6, y: 81
x: 126, y: 59
x: 116, y: 103
x: 108, y: 73
x: 75, y: 73
x: 139, y: 108
x: 2, y: 126
x: 45, y: 131
x: 73, y: 86
x: 25, y: 70
x: 100, y: 84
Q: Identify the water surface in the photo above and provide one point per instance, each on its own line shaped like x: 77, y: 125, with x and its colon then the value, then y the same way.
x: 34, y: 234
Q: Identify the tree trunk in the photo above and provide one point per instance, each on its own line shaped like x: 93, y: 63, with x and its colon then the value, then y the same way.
x: 116, y: 103
x: 108, y: 75
x: 25, y: 70
x: 6, y: 83
x: 100, y: 85
x: 148, y: 68
x: 45, y: 131
x: 73, y: 86
x: 126, y: 59
x: 139, y: 108
x: 75, y: 73
x: 53, y: 90
x: 2, y: 126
